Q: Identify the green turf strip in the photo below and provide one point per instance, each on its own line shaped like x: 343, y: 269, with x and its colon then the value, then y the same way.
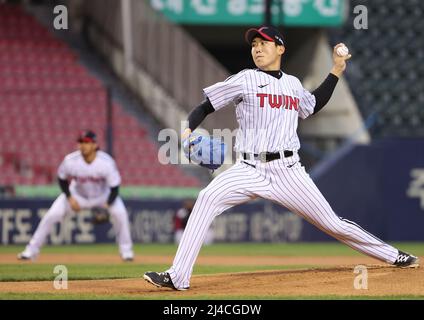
x: 127, y: 192
x: 44, y: 272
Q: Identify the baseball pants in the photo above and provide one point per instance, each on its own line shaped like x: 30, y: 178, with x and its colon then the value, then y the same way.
x: 61, y: 207
x: 283, y: 181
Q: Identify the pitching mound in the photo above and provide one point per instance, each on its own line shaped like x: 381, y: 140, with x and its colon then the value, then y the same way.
x: 382, y: 281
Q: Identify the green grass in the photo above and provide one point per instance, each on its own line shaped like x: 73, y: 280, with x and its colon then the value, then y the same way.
x: 44, y: 272
x: 225, y: 249
x: 127, y: 192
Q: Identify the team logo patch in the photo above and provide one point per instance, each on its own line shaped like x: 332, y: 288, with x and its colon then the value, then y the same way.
x: 278, y: 101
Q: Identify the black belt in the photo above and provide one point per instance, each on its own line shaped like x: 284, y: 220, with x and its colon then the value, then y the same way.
x: 267, y: 156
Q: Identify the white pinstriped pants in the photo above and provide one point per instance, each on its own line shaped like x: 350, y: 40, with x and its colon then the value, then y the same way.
x: 283, y: 181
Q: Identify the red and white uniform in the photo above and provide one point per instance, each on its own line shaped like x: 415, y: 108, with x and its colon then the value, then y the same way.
x: 268, y: 119
x: 90, y: 186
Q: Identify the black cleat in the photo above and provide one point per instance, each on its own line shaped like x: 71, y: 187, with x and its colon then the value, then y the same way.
x: 406, y: 260
x: 160, y: 279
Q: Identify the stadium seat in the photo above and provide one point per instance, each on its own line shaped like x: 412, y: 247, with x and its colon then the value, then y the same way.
x: 47, y: 98
x: 387, y: 61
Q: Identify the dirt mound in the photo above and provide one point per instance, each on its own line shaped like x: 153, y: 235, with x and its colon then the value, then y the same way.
x: 382, y: 281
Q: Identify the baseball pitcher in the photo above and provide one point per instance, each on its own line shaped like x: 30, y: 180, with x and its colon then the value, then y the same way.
x: 268, y: 103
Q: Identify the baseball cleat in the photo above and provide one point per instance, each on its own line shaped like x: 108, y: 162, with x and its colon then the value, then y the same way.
x: 127, y: 257
x: 406, y: 260
x: 160, y: 279
x: 24, y: 256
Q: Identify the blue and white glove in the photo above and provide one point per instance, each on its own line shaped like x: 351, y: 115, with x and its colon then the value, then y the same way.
x: 205, y: 151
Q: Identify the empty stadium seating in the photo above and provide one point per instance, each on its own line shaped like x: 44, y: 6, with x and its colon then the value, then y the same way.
x: 47, y: 97
x: 386, y: 70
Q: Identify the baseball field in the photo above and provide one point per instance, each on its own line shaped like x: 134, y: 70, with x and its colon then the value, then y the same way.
x: 222, y: 271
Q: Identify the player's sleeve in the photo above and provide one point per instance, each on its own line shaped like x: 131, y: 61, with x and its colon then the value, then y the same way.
x: 113, y: 178
x: 323, y: 93
x: 226, y: 93
x: 306, y: 103
x: 63, y: 171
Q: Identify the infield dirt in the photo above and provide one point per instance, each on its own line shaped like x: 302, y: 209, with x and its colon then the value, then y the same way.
x: 332, y: 276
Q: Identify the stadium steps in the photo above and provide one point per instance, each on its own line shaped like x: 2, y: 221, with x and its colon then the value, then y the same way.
x: 48, y: 96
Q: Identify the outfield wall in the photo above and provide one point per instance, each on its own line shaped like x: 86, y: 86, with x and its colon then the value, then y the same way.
x: 381, y: 187
x: 151, y: 221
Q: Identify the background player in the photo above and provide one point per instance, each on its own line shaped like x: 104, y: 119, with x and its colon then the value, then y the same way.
x: 95, y: 182
x: 181, y: 219
x: 268, y: 103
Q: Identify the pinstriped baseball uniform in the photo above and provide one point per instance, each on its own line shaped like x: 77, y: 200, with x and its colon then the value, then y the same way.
x: 271, y: 127
x: 267, y: 110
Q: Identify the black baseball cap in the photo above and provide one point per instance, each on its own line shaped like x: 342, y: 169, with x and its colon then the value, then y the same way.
x: 268, y: 33
x: 87, y: 136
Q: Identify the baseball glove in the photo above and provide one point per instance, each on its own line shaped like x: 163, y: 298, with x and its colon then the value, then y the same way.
x: 100, y: 215
x: 204, y: 151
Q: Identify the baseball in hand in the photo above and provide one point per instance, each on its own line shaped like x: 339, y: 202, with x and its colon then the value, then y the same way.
x: 342, y: 51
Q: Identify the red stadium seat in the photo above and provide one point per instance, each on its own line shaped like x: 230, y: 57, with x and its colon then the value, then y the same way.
x: 47, y: 98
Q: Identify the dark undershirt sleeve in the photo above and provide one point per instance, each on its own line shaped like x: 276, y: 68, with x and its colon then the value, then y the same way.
x: 113, y: 194
x: 198, y: 114
x: 64, y: 186
x: 324, y: 91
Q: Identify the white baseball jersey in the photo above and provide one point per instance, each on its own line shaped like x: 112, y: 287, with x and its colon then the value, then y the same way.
x: 90, y: 186
x: 90, y: 180
x: 268, y: 112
